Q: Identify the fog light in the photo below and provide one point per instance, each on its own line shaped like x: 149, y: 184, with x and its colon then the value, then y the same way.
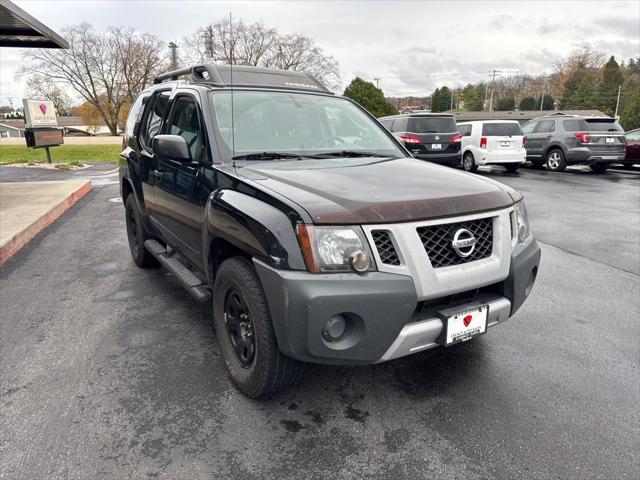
x: 360, y: 261
x: 334, y: 328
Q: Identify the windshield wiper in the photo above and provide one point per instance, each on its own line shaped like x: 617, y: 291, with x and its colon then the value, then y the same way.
x: 266, y: 156
x: 351, y: 153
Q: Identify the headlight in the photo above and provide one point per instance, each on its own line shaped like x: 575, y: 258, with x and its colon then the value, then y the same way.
x: 335, y: 249
x: 522, y: 221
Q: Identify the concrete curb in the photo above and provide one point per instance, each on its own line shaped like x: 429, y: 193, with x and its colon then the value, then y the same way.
x: 19, y: 240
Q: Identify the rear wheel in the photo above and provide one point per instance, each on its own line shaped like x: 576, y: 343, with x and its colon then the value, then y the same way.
x: 599, y: 167
x: 555, y: 161
x: 245, y: 332
x: 468, y: 162
x: 137, y: 235
x: 512, y: 167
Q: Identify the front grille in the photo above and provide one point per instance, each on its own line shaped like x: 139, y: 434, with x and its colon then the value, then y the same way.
x: 437, y: 241
x: 385, y: 247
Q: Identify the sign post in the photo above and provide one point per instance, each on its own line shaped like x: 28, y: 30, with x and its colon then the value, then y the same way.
x: 41, y: 125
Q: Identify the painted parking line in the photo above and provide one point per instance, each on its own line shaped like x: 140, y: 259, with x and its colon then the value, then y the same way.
x: 111, y: 171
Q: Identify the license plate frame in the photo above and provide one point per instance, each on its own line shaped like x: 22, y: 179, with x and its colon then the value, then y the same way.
x: 505, y: 144
x: 609, y: 140
x: 455, y: 329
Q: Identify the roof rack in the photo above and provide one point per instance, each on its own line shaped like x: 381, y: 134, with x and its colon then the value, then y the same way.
x: 245, y: 76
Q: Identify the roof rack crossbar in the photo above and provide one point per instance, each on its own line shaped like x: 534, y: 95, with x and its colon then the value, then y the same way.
x: 198, y: 73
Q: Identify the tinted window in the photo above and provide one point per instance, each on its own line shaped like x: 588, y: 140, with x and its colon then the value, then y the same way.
x: 546, y: 126
x: 387, y: 123
x: 134, y: 115
x: 431, y: 125
x: 500, y: 129
x: 634, y: 135
x: 465, y: 130
x: 529, y: 127
x: 155, y: 116
x: 603, y: 125
x: 185, y: 122
x: 574, y: 125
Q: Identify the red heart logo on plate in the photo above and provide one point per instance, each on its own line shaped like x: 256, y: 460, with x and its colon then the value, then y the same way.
x: 43, y: 108
x: 467, y: 320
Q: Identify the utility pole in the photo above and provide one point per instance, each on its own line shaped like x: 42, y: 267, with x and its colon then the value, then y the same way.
x: 493, y: 79
x: 174, y: 55
x: 377, y: 79
x: 615, y: 115
x: 544, y: 88
x: 451, y: 100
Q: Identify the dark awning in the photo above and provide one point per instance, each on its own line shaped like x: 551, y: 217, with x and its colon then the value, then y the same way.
x: 19, y: 29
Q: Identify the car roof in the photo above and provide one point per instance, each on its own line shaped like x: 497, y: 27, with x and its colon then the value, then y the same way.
x: 416, y: 114
x: 481, y: 122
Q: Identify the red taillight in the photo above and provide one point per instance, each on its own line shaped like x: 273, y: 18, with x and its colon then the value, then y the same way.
x: 410, y: 139
x: 456, y: 139
x: 523, y: 141
x: 583, y: 137
x: 483, y: 142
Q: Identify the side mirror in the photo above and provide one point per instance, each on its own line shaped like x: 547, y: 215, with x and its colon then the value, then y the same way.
x: 173, y: 147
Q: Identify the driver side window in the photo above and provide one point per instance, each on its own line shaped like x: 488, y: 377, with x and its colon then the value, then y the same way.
x: 185, y: 122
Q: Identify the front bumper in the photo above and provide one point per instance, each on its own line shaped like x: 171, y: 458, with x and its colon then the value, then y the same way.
x: 386, y: 320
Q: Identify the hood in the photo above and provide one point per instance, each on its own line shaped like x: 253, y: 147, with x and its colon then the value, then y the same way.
x: 370, y: 191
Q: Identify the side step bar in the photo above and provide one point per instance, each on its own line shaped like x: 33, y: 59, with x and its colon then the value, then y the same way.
x: 198, y: 290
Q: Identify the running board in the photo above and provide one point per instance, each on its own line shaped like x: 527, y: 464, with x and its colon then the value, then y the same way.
x: 198, y: 290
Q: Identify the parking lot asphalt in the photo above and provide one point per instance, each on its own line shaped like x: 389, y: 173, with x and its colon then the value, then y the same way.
x: 110, y: 371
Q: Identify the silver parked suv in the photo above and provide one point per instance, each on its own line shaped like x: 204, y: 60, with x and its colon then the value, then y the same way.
x: 558, y: 141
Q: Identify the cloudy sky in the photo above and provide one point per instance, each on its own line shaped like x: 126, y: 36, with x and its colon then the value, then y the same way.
x: 411, y: 46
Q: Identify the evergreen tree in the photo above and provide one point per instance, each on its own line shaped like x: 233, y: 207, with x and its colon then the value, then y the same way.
x: 370, y: 97
x: 435, y: 101
x: 630, y: 118
x: 505, y: 104
x: 528, y: 103
x: 445, y: 99
x: 611, y: 80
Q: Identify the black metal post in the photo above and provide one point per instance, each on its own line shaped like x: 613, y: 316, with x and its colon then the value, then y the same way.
x: 48, y: 154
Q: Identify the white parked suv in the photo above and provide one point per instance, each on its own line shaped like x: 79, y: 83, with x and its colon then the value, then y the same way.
x: 492, y: 142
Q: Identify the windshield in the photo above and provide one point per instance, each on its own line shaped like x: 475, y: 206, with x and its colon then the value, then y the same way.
x: 297, y: 124
x: 501, y: 129
x: 603, y: 125
x: 431, y: 125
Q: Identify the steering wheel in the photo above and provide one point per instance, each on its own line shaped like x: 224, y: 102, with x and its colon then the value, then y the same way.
x: 331, y: 137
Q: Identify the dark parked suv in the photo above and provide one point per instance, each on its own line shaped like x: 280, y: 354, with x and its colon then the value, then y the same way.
x: 311, y: 230
x: 561, y: 140
x: 428, y: 136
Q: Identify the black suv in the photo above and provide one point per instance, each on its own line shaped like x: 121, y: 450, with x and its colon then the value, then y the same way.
x: 310, y: 228
x: 560, y: 140
x: 428, y: 136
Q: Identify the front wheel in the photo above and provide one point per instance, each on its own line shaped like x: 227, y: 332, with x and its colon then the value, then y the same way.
x: 599, y: 167
x: 555, y: 161
x: 245, y: 332
x: 512, y: 167
x: 137, y: 235
x: 469, y: 163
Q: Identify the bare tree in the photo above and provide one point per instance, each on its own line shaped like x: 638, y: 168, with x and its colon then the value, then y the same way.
x: 44, y: 88
x: 107, y: 69
x: 257, y: 45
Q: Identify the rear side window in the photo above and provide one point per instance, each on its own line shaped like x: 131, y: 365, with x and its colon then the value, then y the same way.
x: 387, y: 123
x: 575, y: 125
x: 500, y: 129
x: 465, y: 130
x: 158, y: 109
x: 134, y: 115
x: 546, y: 126
x: 529, y: 127
x: 432, y: 125
x: 603, y: 125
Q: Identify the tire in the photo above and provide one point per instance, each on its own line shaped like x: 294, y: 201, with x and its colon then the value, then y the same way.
x: 469, y: 162
x: 137, y: 235
x: 555, y: 161
x: 245, y: 333
x: 512, y: 167
x: 599, y: 167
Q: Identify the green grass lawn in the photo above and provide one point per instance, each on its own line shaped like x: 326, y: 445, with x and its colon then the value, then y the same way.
x: 63, y: 153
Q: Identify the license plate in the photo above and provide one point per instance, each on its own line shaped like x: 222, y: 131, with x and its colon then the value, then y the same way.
x: 436, y: 146
x: 466, y: 324
x: 609, y: 140
x: 505, y: 144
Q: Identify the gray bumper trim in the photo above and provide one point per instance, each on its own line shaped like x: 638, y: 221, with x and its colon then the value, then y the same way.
x: 422, y: 333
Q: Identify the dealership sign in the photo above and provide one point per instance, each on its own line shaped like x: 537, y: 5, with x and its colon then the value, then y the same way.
x: 39, y: 113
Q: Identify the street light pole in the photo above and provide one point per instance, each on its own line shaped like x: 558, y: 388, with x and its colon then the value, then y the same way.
x: 615, y: 115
